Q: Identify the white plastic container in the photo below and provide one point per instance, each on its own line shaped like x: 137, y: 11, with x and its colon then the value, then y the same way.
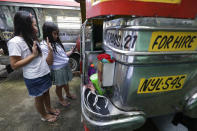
x: 106, y: 73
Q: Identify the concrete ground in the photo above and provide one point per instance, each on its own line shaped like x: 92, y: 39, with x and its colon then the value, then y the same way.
x: 17, y: 111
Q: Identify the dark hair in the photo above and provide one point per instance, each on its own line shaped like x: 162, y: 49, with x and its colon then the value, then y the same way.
x: 48, y: 28
x: 23, y: 26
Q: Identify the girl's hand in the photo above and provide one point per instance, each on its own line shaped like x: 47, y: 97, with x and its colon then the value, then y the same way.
x: 49, y: 45
x: 49, y: 58
x: 1, y: 52
x: 73, y: 49
x: 34, y: 49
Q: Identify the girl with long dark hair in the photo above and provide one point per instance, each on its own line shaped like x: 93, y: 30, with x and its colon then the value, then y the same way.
x: 24, y: 51
x: 60, y: 69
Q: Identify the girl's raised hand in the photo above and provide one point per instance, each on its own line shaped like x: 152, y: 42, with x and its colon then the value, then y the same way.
x: 49, y: 45
x: 73, y: 49
x: 34, y: 49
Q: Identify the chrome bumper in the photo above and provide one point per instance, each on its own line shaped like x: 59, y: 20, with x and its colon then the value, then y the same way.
x: 114, y: 119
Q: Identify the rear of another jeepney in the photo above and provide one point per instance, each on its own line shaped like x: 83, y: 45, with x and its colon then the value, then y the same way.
x: 153, y: 68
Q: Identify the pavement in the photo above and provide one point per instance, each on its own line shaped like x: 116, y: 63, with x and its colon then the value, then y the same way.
x: 17, y: 111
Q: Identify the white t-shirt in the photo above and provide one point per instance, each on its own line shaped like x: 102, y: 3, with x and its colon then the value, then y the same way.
x: 60, y: 59
x: 38, y: 67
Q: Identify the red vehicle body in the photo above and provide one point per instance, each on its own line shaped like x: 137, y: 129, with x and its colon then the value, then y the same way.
x: 157, y: 8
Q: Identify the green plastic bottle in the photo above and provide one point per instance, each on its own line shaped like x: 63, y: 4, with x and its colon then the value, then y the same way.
x: 94, y: 80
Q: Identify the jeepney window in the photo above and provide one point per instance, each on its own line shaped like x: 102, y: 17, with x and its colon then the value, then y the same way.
x: 6, y: 22
x: 48, y: 18
x: 2, y: 23
x: 31, y: 10
x: 68, y: 22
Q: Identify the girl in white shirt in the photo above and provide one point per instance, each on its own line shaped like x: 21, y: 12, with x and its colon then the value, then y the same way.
x: 60, y: 69
x: 24, y: 52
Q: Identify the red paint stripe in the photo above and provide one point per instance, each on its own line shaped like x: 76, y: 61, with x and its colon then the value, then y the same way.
x: 186, y: 9
x: 47, y: 2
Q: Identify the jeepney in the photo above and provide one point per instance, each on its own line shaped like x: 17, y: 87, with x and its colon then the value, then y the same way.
x: 154, y: 46
x: 66, y: 14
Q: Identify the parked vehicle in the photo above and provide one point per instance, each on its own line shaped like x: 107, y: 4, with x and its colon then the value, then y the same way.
x: 154, y: 45
x: 65, y: 14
